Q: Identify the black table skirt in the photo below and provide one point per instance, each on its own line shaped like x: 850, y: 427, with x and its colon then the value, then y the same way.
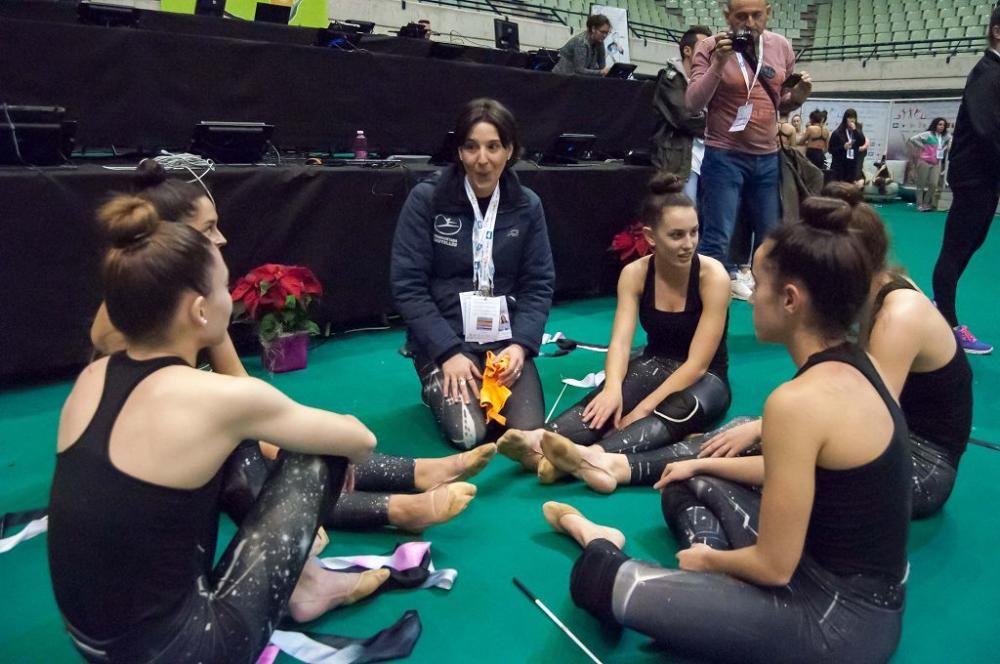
x: 337, y: 221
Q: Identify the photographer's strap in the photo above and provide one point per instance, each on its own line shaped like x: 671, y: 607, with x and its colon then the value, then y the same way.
x: 760, y: 64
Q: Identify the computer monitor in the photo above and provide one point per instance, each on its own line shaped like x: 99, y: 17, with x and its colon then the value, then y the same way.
x: 35, y: 135
x: 621, y: 70
x: 268, y: 13
x: 570, y: 149
x: 95, y: 13
x: 210, y: 8
x: 544, y: 59
x: 505, y: 35
x: 447, y: 152
x: 232, y: 142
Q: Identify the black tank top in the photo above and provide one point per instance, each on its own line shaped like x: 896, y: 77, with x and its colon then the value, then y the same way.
x: 123, y: 550
x: 669, y: 333
x: 861, y: 516
x: 937, y: 404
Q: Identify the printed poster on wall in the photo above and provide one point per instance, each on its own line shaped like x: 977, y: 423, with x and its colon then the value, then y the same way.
x: 616, y: 45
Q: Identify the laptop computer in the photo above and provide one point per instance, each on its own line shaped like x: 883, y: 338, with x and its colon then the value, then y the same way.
x: 621, y: 70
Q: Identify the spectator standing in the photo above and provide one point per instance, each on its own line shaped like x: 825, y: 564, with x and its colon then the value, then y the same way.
x: 933, y: 145
x: 679, y: 140
x: 816, y: 138
x: 743, y: 93
x: 846, y: 142
x: 974, y: 176
x: 584, y: 53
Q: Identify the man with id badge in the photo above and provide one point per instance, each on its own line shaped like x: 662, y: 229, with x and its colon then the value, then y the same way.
x: 744, y: 77
x: 472, y: 273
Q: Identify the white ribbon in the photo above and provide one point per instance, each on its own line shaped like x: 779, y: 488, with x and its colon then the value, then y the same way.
x: 33, y: 529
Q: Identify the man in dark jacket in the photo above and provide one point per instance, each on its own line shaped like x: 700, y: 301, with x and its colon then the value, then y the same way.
x: 679, y: 140
x: 974, y: 176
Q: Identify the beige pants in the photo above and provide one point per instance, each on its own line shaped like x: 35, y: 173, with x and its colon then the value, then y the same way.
x: 927, y: 183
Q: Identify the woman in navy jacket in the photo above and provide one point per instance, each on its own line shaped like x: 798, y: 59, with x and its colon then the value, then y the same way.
x: 433, y: 262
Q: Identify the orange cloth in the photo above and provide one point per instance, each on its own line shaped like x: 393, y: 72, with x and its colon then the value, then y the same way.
x: 493, y: 395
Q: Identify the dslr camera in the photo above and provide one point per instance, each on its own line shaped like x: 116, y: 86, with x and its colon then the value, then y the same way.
x: 742, y: 41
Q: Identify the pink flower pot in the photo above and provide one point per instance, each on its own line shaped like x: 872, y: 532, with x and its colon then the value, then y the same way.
x: 288, y: 352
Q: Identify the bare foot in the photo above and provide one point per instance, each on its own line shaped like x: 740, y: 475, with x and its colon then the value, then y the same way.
x: 568, y: 520
x: 522, y: 446
x: 586, y: 463
x: 320, y: 590
x: 417, y: 512
x: 431, y: 473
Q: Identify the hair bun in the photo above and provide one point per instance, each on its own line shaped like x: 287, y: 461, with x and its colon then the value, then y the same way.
x: 148, y: 174
x: 666, y: 183
x: 844, y: 191
x: 128, y: 220
x: 827, y: 214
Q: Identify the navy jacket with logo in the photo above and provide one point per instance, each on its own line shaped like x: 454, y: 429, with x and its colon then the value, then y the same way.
x: 432, y: 264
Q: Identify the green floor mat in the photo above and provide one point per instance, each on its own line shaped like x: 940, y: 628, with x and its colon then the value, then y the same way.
x: 952, y: 601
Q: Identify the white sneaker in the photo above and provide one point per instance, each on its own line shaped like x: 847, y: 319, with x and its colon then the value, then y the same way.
x: 746, y: 276
x: 739, y: 288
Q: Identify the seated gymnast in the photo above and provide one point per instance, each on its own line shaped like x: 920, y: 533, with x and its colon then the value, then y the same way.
x: 813, y: 568
x: 143, y: 444
x: 472, y: 273
x: 384, y: 486
x: 924, y: 368
x: 624, y: 431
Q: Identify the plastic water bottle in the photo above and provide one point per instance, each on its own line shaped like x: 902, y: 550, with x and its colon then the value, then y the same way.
x: 360, y: 145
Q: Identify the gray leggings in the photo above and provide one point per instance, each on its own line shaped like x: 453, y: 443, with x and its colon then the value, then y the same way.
x: 817, y: 617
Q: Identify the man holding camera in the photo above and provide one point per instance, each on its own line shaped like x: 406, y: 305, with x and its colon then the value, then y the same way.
x: 745, y: 78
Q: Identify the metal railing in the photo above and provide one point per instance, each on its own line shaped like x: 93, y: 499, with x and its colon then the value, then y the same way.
x: 892, y: 49
x: 507, y: 8
x: 650, y: 32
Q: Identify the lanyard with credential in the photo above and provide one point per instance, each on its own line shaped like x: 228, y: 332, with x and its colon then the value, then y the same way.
x: 482, y: 240
x: 743, y: 67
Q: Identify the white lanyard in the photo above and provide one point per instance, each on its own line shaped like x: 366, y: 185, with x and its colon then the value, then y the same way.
x: 482, y: 240
x: 760, y: 63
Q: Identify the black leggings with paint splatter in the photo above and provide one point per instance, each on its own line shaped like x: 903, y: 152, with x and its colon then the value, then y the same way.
x: 364, y: 508
x: 656, y: 440
x: 228, y: 614
x: 817, y: 617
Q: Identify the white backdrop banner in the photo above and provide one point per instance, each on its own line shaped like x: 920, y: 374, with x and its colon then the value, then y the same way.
x: 616, y: 45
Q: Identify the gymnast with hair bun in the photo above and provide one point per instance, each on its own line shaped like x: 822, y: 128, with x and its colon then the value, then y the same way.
x: 402, y: 492
x: 813, y: 568
x: 143, y: 444
x: 924, y: 368
x: 626, y: 431
x: 923, y: 364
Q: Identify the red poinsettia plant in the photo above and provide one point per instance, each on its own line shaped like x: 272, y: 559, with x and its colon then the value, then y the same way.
x: 630, y: 243
x: 278, y: 298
